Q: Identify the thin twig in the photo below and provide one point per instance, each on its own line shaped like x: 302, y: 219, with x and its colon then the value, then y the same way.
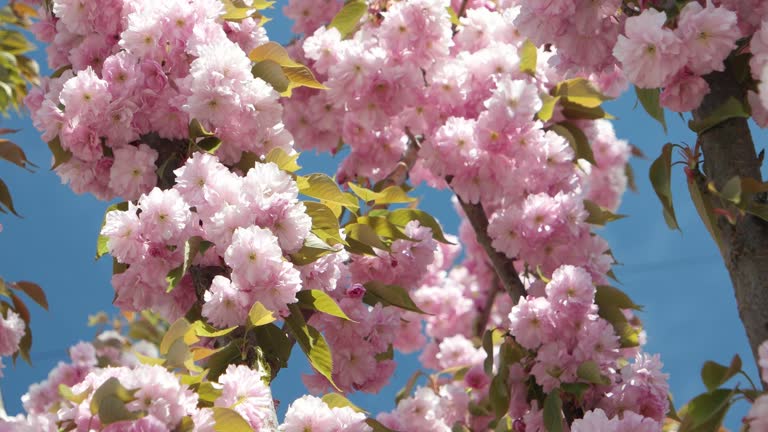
x: 399, y: 174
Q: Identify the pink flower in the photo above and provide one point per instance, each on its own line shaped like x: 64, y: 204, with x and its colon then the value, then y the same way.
x: 530, y: 322
x: 244, y: 391
x: 309, y: 413
x: 133, y: 172
x: 253, y: 254
x: 709, y: 35
x: 225, y: 305
x: 164, y: 216
x: 86, y: 94
x: 650, y: 54
x: 11, y: 331
x: 571, y: 287
x: 684, y: 92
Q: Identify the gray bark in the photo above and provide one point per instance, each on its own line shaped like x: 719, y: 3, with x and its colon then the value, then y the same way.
x: 729, y: 151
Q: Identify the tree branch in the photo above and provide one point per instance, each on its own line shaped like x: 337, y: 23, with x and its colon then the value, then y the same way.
x: 481, y: 322
x: 503, y: 266
x: 729, y: 151
x: 399, y: 174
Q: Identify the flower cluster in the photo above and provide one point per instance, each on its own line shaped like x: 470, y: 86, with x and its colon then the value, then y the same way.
x: 653, y: 55
x: 250, y: 222
x: 134, y: 76
x: 11, y: 331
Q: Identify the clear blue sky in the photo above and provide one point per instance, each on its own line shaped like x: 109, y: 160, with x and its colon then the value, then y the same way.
x: 690, y: 313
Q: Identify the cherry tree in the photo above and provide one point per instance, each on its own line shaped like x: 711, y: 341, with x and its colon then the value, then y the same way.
x: 226, y: 254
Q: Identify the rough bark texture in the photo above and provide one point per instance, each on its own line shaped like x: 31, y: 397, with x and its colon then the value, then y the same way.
x: 729, y: 151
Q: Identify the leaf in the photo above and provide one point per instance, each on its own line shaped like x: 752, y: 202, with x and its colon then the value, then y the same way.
x: 390, y: 295
x: 283, y: 160
x: 203, y: 329
x: 325, y: 224
x: 377, y: 426
x: 660, y: 176
x: 176, y: 331
x: 312, y: 343
x: 197, y: 130
x: 322, y: 187
x: 320, y: 301
x: 272, y: 73
x: 553, y: 412
x: 110, y: 387
x: 649, y: 99
x: 401, y: 217
x: 219, y: 361
x: 365, y: 235
x: 347, y: 18
x: 13, y: 154
x: 628, y: 335
x: 609, y: 296
x: 66, y: 392
x: 259, y: 315
x: 274, y: 343
x: 60, y: 156
x: 576, y: 389
x: 6, y: 200
x: 302, y: 76
x: 577, y: 139
x: 498, y: 393
x: 314, y: 248
x: 548, y: 107
x: 192, y: 247
x: 452, y: 14
x: 705, y: 412
x: 732, y: 108
x: 229, y: 420
x: 598, y: 215
x: 528, y: 54
x: 336, y: 400
x: 209, y: 144
x: 34, y: 292
x: 406, y: 391
x: 713, y: 375
x: 589, y: 371
x: 272, y: 51
x: 384, y: 228
x: 580, y: 91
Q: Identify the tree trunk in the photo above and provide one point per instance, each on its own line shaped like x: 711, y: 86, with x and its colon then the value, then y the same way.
x: 729, y: 151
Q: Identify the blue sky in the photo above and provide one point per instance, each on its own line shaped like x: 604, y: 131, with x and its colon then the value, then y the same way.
x: 690, y: 313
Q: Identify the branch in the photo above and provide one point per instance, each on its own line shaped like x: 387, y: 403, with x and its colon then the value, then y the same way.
x: 503, y: 266
x: 485, y: 313
x: 399, y: 175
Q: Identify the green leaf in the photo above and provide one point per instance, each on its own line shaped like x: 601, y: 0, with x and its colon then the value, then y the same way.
x: 660, y: 175
x: 259, y: 315
x: 528, y: 56
x: 452, y: 14
x: 700, y: 197
x: 705, y: 412
x: 283, y: 160
x: 192, y: 247
x: 219, y: 361
x: 176, y: 331
x: 401, y: 217
x: 392, y: 195
x: 34, y: 292
x: 649, y: 99
x: 713, y: 375
x: 197, y: 130
x: 319, y: 301
x: 548, y: 107
x: 576, y: 389
x: 732, y: 108
x: 322, y: 187
x: 66, y: 392
x: 365, y: 235
x: 577, y: 139
x: 229, y: 420
x: 553, y: 412
x: 6, y: 200
x: 203, y: 329
x: 325, y: 224
x: 575, y: 111
x: 498, y: 393
x: 629, y: 336
x: 384, y: 228
x: 110, y: 387
x: 336, y: 400
x: 60, y: 156
x: 406, y: 391
x: 314, y: 248
x: 609, y: 296
x: 589, y: 371
x: 274, y: 343
x: 209, y: 144
x: 598, y: 215
x: 389, y: 295
x: 488, y: 347
x: 271, y: 72
x: 311, y: 342
x: 347, y: 18
x: 272, y: 51
x: 377, y: 426
x: 580, y: 91
x: 301, y: 76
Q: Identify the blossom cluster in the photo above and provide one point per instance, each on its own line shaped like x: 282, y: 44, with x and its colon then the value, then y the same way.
x: 11, y: 331
x: 251, y: 223
x: 133, y: 76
